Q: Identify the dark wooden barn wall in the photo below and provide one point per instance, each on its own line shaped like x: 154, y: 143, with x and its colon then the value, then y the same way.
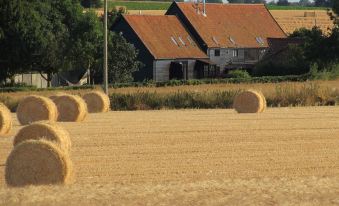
x: 144, y: 56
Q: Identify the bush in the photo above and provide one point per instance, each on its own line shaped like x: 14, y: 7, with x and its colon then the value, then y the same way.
x: 34, y: 88
x: 309, y: 94
x: 263, y: 79
x: 151, y: 83
x: 177, y: 100
x: 242, y: 74
x: 331, y: 72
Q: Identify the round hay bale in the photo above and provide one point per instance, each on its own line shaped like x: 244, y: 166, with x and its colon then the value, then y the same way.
x: 37, y: 162
x: 248, y: 102
x: 56, y: 95
x: 5, y: 120
x: 44, y: 130
x: 71, y: 108
x: 264, y: 101
x: 97, y: 102
x: 36, y: 108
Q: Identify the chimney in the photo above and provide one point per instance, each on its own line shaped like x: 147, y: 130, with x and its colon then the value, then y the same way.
x: 196, y: 6
x: 204, y: 8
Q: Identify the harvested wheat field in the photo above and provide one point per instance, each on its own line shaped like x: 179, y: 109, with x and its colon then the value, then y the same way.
x: 284, y: 156
x: 290, y: 20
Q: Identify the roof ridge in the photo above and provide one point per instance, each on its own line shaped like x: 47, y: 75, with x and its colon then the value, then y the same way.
x: 224, y: 4
x: 151, y: 15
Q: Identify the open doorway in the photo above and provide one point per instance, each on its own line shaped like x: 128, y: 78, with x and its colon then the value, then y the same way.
x: 178, y: 70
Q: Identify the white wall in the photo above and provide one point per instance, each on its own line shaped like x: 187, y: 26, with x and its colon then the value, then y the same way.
x: 226, y: 56
x: 31, y: 79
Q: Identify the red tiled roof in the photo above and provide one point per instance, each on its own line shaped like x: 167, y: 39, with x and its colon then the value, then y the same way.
x: 164, y: 36
x: 246, y: 24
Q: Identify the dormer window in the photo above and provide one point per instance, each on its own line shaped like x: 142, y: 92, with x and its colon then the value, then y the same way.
x: 191, y: 41
x: 215, y: 40
x: 260, y: 40
x: 231, y: 40
x: 182, y: 41
x: 174, y: 41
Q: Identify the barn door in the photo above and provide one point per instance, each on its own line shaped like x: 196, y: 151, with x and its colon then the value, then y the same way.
x: 185, y: 69
x: 178, y: 70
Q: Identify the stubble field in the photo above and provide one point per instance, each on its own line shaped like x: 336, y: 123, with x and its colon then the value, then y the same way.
x: 285, y: 156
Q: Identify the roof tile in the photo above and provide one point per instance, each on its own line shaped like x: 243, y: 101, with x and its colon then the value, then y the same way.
x: 232, y: 25
x: 164, y: 36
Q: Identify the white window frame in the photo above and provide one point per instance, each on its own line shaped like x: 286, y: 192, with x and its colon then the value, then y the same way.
x: 235, y: 52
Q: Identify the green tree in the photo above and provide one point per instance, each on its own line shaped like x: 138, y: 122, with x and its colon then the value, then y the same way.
x: 335, y: 6
x: 283, y: 3
x: 86, y: 50
x: 122, y: 59
x: 122, y: 56
x: 255, y: 1
x: 213, y: 1
x: 291, y: 61
x: 113, y: 15
x: 44, y: 31
x: 52, y: 36
x: 91, y: 3
x: 50, y: 44
x: 236, y: 1
x: 305, y: 3
x: 335, y: 9
x: 322, y: 3
x: 313, y: 46
x: 12, y: 48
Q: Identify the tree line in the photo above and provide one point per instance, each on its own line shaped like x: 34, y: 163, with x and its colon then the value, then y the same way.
x: 59, y: 35
x: 318, y: 54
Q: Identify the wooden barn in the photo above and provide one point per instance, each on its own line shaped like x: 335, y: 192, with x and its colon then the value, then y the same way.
x: 165, y: 47
x: 199, y: 40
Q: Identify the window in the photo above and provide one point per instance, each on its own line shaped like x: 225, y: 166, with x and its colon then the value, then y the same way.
x: 232, y: 40
x: 182, y: 41
x: 259, y: 40
x: 191, y: 41
x: 217, y: 52
x: 235, y: 53
x: 215, y: 40
x: 174, y: 41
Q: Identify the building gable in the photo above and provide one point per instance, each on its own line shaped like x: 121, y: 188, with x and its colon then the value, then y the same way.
x: 164, y: 36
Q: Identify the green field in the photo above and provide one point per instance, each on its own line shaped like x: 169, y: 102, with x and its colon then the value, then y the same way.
x: 135, y: 5
x: 161, y: 5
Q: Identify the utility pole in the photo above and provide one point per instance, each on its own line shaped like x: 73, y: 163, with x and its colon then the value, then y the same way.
x: 105, y: 50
